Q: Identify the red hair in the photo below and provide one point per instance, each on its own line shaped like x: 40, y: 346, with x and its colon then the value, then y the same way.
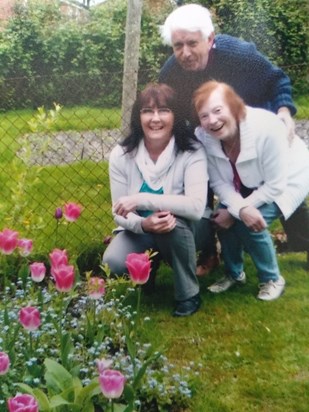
x: 232, y: 99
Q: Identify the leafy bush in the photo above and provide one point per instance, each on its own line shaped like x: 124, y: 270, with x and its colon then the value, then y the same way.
x: 45, y: 57
x: 278, y: 28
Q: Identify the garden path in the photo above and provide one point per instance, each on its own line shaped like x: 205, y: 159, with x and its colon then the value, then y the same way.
x: 71, y: 146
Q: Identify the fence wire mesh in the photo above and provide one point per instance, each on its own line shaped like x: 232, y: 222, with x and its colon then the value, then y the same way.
x: 49, y: 158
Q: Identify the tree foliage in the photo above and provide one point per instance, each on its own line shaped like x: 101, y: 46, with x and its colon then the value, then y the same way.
x: 45, y: 57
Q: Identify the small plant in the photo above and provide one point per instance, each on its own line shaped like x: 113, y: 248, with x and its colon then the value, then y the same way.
x: 27, y: 177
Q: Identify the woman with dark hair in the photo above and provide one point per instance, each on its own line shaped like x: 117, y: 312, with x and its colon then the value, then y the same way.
x: 158, y: 178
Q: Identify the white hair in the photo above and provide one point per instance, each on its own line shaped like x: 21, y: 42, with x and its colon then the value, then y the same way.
x: 190, y: 17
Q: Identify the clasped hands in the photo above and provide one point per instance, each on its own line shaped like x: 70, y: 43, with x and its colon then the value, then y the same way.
x: 250, y: 215
x: 157, y: 222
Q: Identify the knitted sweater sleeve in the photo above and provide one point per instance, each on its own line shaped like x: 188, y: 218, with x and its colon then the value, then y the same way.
x: 252, y: 74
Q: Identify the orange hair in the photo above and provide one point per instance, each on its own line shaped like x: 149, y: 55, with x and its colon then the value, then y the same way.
x: 232, y: 99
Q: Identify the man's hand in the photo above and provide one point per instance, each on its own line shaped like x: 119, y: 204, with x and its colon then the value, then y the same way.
x: 222, y: 219
x: 159, y: 222
x: 285, y: 115
x: 252, y: 218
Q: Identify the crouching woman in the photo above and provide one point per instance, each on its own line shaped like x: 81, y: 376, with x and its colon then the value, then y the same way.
x: 158, y: 179
x: 257, y: 178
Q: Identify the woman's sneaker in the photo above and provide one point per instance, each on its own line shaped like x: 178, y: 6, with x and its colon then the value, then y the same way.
x: 272, y: 289
x: 227, y: 282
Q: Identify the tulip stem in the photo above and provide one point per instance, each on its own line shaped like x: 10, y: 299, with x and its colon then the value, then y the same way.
x: 139, y: 291
x: 30, y: 345
x: 94, y: 315
x: 56, y: 236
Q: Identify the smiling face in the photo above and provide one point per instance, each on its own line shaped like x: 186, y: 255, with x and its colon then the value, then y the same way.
x: 157, y: 124
x: 191, y: 49
x: 216, y: 117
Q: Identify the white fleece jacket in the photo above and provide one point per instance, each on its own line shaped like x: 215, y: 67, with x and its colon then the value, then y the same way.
x: 184, y: 188
x: 277, y: 172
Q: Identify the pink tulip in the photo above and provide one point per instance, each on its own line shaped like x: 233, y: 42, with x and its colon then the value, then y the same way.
x: 72, y: 211
x: 96, y: 287
x: 8, y: 241
x: 103, y: 364
x: 112, y: 383
x: 58, y: 257
x: 4, y: 363
x: 37, y: 270
x: 23, y: 403
x: 139, y: 266
x: 30, y: 318
x: 25, y: 246
x: 64, y: 277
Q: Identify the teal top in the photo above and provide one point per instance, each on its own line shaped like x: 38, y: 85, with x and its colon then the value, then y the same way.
x: 147, y: 189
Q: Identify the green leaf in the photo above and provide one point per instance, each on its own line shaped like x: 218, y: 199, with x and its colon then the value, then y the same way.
x: 143, y: 368
x: 44, y: 404
x: 83, y: 396
x: 58, y: 400
x: 57, y: 376
x: 66, y: 348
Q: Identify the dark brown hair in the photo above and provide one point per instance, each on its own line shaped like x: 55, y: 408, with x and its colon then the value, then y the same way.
x: 158, y: 95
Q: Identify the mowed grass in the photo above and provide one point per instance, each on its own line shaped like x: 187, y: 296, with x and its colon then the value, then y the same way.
x: 253, y: 355
x: 245, y: 355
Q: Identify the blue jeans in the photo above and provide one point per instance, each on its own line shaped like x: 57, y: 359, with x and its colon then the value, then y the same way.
x: 259, y: 245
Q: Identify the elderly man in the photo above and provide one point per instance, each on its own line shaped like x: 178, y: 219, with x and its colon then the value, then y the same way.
x: 199, y: 56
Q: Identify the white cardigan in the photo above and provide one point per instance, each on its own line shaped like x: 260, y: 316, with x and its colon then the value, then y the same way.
x: 277, y: 172
x: 184, y: 188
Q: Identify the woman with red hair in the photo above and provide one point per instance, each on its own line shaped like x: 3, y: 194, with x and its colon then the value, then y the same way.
x: 257, y: 177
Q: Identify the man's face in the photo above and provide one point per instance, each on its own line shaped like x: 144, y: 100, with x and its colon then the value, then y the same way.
x: 191, y: 50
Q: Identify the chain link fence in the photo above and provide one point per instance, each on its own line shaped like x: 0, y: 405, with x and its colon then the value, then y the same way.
x: 51, y: 156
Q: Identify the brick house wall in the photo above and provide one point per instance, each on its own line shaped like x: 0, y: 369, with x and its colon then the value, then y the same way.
x: 73, y: 10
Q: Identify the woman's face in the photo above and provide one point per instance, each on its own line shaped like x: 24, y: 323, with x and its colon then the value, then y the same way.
x: 157, y: 124
x: 216, y: 117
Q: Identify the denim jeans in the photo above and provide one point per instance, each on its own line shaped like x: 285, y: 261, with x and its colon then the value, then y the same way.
x: 259, y: 245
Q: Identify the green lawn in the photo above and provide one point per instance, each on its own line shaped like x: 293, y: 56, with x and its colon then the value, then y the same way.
x: 252, y: 355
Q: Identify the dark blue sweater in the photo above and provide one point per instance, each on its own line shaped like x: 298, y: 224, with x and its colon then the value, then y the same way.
x: 238, y: 63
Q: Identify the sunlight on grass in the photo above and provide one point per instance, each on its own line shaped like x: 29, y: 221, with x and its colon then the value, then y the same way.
x: 302, y: 104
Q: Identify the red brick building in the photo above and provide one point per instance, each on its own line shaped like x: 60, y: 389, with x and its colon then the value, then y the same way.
x: 72, y: 9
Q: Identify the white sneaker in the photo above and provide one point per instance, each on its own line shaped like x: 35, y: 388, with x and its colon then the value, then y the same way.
x: 272, y: 289
x: 226, y: 282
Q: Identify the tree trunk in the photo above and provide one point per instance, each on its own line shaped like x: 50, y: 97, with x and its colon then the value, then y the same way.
x: 131, y: 61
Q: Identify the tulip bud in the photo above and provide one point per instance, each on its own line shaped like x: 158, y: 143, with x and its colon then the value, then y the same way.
x: 111, y: 383
x: 30, y: 318
x: 58, y: 213
x: 4, y: 363
x: 8, y: 241
x: 96, y: 287
x: 37, y: 270
x: 23, y: 402
x: 139, y: 267
x: 72, y: 211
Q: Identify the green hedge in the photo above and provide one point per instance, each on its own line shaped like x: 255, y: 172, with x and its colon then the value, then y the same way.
x: 45, y: 57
